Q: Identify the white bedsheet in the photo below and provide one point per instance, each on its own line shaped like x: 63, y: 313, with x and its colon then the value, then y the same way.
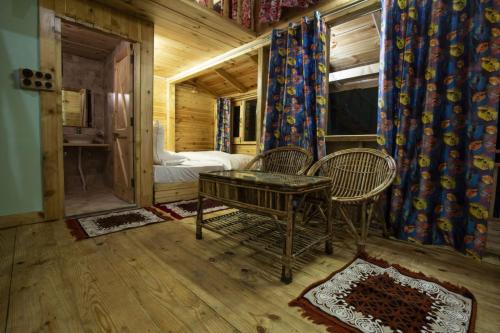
x: 230, y: 161
x: 187, y: 171
x: 196, y: 162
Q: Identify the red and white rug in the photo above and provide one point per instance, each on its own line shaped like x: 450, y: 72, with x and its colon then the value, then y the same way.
x: 188, y: 208
x: 370, y: 295
x: 93, y: 226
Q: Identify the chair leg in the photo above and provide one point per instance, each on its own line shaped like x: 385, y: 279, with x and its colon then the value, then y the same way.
x: 329, y: 224
x: 367, y: 212
x: 363, y: 227
x: 351, y: 226
x: 381, y: 219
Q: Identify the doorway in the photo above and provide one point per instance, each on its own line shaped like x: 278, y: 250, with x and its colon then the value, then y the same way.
x: 98, y: 119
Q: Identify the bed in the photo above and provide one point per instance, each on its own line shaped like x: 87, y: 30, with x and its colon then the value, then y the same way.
x: 179, y: 181
x: 176, y: 174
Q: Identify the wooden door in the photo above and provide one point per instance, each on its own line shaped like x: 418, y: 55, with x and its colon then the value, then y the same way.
x: 123, y: 111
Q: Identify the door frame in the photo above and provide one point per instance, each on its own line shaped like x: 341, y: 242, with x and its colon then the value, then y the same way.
x: 138, y: 32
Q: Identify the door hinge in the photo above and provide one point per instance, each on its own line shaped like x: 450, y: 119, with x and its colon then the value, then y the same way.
x: 132, y: 121
x: 132, y: 182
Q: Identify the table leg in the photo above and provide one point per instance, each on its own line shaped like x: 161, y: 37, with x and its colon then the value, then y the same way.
x: 287, y: 259
x: 329, y: 224
x: 199, y: 218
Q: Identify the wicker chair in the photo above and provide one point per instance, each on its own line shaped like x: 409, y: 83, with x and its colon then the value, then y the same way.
x: 360, y: 175
x: 288, y: 160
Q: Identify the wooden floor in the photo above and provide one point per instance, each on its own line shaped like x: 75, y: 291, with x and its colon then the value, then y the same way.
x: 158, y: 278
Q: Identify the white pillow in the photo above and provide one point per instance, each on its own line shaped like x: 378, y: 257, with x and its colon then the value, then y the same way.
x: 168, y: 156
x: 172, y: 163
x: 159, y: 153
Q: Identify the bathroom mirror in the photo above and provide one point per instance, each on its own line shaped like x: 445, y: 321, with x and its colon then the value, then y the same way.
x: 77, y: 108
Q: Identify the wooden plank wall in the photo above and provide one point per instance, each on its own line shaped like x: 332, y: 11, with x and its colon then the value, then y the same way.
x: 248, y: 149
x: 160, y: 102
x: 194, y: 120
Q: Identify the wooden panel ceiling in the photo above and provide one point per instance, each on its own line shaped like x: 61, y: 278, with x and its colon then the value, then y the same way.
x: 185, y: 32
x: 355, y: 43
x: 85, y: 42
x: 242, y: 69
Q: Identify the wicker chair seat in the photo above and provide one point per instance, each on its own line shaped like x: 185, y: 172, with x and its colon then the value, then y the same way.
x: 359, y: 176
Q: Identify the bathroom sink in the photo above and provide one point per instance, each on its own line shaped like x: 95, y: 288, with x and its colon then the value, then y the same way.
x: 78, y: 138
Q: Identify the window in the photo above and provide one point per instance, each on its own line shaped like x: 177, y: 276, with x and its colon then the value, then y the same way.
x: 354, y: 63
x: 353, y: 112
x: 236, y: 121
x: 250, y: 120
x: 244, y: 121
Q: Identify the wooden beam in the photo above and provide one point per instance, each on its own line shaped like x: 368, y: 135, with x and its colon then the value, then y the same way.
x: 360, y: 83
x: 220, y: 60
x: 51, y: 119
x: 354, y: 72
x: 203, y: 87
x: 262, y: 74
x: 351, y: 138
x: 377, y: 21
x: 226, y: 8
x: 231, y: 80
x: 144, y: 158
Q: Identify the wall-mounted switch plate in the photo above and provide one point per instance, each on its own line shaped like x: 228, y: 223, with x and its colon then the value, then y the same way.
x: 36, y: 80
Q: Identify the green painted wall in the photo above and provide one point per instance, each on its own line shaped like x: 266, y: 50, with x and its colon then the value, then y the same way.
x: 20, y: 150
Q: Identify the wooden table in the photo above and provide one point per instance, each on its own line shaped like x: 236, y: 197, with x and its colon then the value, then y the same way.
x: 278, y: 196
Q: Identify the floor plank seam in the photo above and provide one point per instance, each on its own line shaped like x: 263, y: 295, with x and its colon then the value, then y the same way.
x: 201, y: 299
x: 7, y: 312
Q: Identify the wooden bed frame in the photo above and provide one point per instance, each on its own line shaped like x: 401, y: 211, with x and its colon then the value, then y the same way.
x: 168, y: 192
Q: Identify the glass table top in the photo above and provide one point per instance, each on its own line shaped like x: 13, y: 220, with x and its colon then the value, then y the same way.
x: 267, y: 178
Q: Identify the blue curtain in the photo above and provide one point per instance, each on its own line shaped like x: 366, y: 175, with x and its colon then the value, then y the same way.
x: 223, y: 138
x: 438, y: 107
x: 297, y: 88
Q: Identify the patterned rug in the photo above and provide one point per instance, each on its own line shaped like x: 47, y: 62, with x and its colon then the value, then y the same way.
x: 369, y: 295
x: 93, y: 226
x: 187, y: 208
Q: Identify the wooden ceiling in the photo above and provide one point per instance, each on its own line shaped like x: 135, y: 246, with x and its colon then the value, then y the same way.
x: 236, y: 76
x: 355, y: 43
x: 85, y: 42
x: 185, y: 32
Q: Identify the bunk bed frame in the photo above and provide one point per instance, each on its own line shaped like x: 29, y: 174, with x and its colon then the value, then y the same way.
x: 168, y: 192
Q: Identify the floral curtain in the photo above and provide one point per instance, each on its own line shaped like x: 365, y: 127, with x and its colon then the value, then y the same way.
x: 297, y: 88
x: 438, y: 106
x: 270, y: 10
x: 223, y: 138
x: 246, y: 12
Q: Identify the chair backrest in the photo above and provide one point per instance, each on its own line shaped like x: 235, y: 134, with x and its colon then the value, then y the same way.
x: 358, y: 174
x: 287, y: 160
